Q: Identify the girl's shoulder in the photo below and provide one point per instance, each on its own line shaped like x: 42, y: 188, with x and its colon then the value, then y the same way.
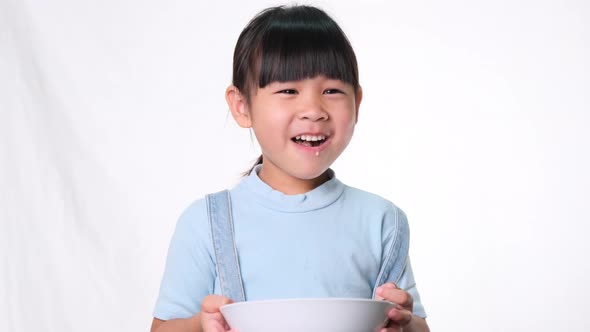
x: 370, y: 199
x: 196, y: 207
x: 193, y: 219
x: 375, y: 207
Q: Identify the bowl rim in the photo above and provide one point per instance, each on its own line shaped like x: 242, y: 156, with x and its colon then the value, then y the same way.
x: 308, y: 299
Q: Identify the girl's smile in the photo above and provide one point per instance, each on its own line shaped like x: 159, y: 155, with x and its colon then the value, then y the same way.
x: 312, y: 143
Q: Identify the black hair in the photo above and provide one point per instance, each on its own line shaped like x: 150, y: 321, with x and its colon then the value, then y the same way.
x: 290, y: 43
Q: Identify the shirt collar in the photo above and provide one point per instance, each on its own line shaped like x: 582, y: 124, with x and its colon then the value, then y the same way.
x: 322, y: 196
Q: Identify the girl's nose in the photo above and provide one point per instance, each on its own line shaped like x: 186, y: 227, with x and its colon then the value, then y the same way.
x: 313, y: 111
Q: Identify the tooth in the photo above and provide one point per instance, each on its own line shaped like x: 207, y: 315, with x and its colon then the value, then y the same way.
x: 314, y: 138
x: 297, y: 137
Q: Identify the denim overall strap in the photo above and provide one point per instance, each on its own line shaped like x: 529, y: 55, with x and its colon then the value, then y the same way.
x: 226, y: 254
x: 396, y: 257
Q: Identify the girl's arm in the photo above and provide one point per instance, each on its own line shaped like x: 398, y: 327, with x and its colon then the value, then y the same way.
x: 189, y: 275
x: 192, y: 324
x: 209, y: 319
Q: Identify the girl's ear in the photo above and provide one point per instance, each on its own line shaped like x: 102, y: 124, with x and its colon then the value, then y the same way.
x: 238, y: 106
x: 357, y: 102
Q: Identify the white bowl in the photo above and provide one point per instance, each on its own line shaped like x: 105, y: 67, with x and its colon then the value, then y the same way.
x: 307, y: 315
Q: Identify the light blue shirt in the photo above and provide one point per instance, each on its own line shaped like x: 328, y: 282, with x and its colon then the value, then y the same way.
x: 328, y: 242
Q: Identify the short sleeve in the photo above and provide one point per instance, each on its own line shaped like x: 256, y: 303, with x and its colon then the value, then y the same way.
x: 397, y: 230
x: 189, y: 274
x: 408, y: 283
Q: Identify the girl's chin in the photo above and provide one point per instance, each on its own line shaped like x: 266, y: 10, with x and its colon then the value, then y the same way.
x: 311, y: 175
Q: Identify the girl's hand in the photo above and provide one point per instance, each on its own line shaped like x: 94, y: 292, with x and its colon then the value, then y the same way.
x: 400, y: 316
x: 211, y: 318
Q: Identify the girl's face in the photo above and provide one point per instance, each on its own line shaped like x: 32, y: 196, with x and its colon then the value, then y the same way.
x: 301, y: 126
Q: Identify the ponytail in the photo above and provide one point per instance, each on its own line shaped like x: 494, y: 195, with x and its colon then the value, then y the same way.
x: 258, y: 162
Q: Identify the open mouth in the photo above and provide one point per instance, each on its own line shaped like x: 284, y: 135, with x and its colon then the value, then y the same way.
x: 309, y: 140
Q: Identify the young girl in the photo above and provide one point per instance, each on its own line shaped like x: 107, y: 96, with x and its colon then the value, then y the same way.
x: 297, y: 230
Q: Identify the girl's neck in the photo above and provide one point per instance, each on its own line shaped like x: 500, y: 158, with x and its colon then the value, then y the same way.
x: 290, y: 185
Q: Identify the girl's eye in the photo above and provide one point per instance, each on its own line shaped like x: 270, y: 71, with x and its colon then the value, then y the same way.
x: 332, y: 91
x: 288, y: 91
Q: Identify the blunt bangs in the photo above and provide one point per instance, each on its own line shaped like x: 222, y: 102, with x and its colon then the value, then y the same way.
x: 294, y: 51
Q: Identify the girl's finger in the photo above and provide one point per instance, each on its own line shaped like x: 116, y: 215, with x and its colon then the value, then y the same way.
x: 396, y: 295
x: 211, y: 303
x: 379, y: 292
x: 399, y: 317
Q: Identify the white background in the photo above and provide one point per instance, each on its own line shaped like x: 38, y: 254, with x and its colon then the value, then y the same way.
x: 475, y: 122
